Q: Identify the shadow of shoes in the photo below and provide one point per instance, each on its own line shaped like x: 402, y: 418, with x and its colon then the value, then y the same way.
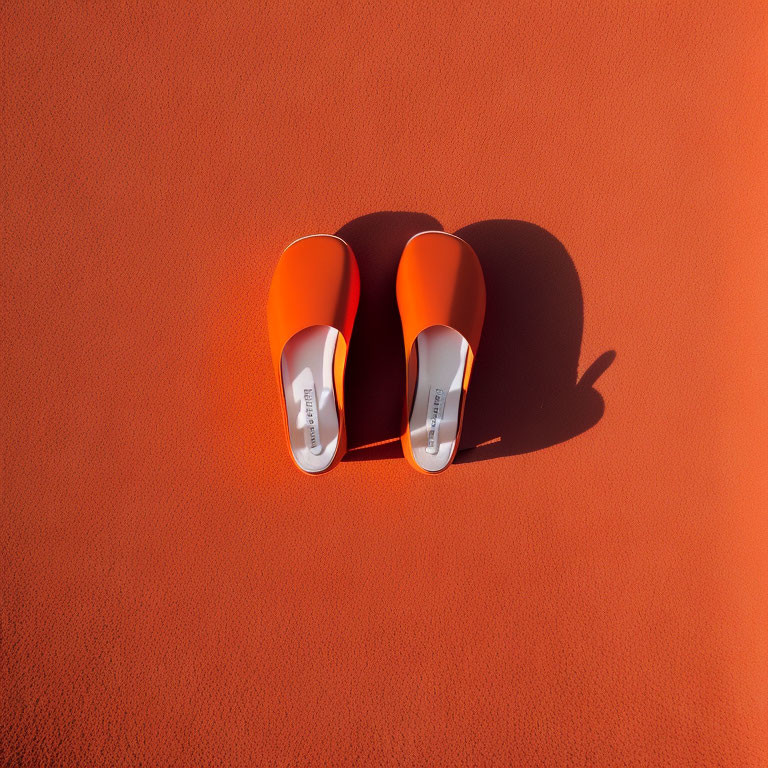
x: 524, y: 394
x: 374, y: 385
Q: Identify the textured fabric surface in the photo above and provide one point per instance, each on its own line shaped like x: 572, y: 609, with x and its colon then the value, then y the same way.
x: 588, y: 587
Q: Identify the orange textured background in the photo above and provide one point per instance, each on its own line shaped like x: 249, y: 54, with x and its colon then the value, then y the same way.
x: 174, y: 592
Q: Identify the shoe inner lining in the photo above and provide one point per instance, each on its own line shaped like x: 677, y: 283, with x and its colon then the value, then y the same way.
x: 310, y: 397
x: 434, y: 421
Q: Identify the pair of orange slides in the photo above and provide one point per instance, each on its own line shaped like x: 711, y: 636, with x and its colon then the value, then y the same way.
x: 311, y: 311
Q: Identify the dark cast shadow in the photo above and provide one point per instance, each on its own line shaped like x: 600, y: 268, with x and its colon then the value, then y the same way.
x: 374, y: 385
x: 525, y: 393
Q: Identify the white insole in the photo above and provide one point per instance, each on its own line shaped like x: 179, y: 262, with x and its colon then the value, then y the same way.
x: 310, y: 398
x: 434, y: 421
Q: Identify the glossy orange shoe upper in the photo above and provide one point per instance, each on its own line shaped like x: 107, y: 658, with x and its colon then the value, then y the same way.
x: 316, y: 282
x: 439, y: 282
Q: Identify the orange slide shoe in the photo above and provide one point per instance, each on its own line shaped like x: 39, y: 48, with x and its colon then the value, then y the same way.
x: 441, y: 297
x: 310, y: 312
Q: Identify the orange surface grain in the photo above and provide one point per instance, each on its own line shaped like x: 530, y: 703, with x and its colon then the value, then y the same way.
x: 587, y: 588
